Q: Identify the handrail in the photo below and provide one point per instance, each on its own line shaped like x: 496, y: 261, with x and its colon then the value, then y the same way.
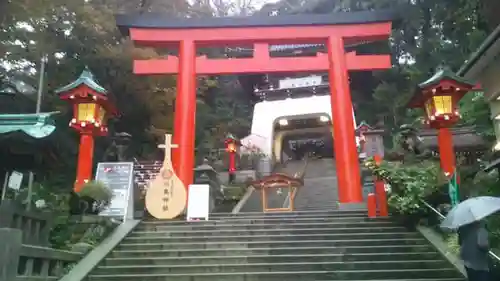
x: 433, y: 209
x: 493, y: 255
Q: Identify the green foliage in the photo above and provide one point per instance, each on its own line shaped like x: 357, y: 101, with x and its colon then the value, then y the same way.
x: 476, y: 112
x: 453, y: 245
x: 74, y: 34
x: 409, y: 183
x: 97, y: 191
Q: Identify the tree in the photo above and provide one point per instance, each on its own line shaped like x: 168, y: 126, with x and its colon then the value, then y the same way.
x: 429, y: 33
x: 76, y: 34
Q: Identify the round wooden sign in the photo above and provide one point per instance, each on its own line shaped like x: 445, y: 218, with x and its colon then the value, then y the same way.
x: 166, y: 196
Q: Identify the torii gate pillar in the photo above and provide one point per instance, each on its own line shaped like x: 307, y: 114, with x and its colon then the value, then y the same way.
x: 346, y: 154
x: 185, y: 113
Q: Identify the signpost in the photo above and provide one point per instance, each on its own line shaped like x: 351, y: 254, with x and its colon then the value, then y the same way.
x: 118, y: 176
x: 12, y: 181
x: 453, y: 189
x: 198, y: 202
x: 15, y: 180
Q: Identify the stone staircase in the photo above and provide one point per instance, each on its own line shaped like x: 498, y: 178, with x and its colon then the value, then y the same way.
x: 320, y: 186
x: 315, y: 245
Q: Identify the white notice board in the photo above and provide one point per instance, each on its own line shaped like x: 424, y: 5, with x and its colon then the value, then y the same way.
x: 119, y: 177
x: 15, y: 180
x: 198, y: 202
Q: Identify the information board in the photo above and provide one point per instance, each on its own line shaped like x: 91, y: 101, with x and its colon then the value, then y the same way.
x: 15, y: 180
x: 374, y: 145
x: 119, y: 177
x: 198, y: 202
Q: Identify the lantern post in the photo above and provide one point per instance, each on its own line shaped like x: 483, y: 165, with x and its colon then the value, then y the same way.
x: 91, y: 111
x: 439, y: 97
x: 374, y: 147
x: 232, y: 145
x: 360, y: 131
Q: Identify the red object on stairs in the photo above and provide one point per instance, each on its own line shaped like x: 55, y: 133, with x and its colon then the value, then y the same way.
x: 372, y: 205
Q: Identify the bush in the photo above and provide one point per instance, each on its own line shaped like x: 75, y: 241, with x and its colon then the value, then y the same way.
x: 92, y: 199
x: 409, y: 184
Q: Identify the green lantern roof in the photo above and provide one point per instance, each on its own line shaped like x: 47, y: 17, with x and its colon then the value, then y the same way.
x: 231, y: 136
x: 444, y: 73
x: 363, y: 124
x: 37, y: 126
x: 87, y: 79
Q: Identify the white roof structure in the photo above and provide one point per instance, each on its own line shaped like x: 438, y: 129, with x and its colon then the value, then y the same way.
x: 268, y: 113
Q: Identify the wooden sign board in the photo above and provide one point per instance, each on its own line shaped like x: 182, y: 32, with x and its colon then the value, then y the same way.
x: 198, y: 202
x: 119, y: 177
x: 374, y: 145
x: 166, y: 196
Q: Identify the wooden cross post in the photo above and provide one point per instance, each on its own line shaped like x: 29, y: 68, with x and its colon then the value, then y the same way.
x: 168, y: 145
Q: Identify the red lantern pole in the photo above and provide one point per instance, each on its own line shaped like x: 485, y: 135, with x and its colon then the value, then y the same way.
x: 85, y: 161
x: 232, y: 162
x: 231, y: 143
x: 446, y: 151
x: 380, y: 191
x: 372, y: 205
x: 374, y: 147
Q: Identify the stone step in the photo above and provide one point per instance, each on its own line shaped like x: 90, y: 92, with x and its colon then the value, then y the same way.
x: 312, y: 249
x: 295, y: 275
x: 312, y: 211
x: 273, y: 219
x: 237, y: 220
x: 231, y: 226
x: 279, y: 231
x: 270, y: 258
x: 140, y: 245
x: 274, y: 266
x: 159, y: 238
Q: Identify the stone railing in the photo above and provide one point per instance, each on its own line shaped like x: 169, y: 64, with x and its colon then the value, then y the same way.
x: 21, y: 262
x: 35, y: 226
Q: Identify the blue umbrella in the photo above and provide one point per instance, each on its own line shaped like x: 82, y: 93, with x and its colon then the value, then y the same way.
x: 471, y: 210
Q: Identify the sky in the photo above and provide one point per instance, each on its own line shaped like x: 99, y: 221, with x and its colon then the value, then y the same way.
x: 260, y: 3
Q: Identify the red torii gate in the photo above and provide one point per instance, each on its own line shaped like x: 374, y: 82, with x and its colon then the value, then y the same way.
x: 333, y: 30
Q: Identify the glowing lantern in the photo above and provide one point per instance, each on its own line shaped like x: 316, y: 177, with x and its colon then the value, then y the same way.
x: 232, y: 145
x: 91, y: 111
x: 91, y: 106
x: 439, y: 97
